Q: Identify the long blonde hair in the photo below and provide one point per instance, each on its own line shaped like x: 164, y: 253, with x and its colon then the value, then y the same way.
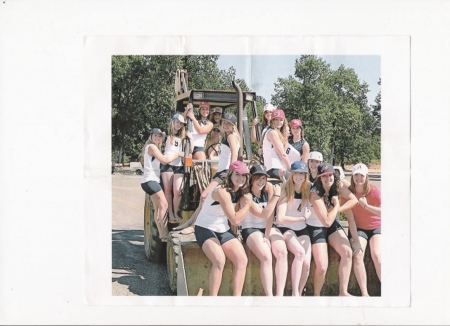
x: 283, y: 132
x: 289, y: 188
x: 180, y: 134
x: 149, y: 141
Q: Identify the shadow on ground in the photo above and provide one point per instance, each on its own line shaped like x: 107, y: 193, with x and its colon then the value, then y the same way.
x: 131, y: 268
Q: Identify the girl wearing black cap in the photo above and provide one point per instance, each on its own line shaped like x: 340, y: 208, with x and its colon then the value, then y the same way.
x: 292, y: 212
x: 324, y: 199
x: 150, y: 181
x: 228, y: 202
x: 201, y: 127
x: 257, y: 224
x: 172, y: 174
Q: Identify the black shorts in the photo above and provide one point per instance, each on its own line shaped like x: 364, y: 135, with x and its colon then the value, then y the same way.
x: 246, y: 232
x: 198, y: 149
x: 218, y: 175
x: 298, y: 233
x: 366, y: 234
x: 320, y: 234
x: 202, y: 234
x: 171, y: 168
x: 151, y: 187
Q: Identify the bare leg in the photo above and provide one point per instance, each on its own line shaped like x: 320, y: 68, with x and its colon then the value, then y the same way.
x: 187, y: 227
x: 359, y: 269
x: 262, y: 252
x: 320, y: 254
x: 167, y: 180
x: 375, y: 250
x: 215, y: 254
x: 160, y: 207
x: 208, y: 189
x: 306, y: 244
x: 299, y: 256
x: 279, y: 250
x: 235, y: 252
x: 177, y: 180
x: 340, y: 243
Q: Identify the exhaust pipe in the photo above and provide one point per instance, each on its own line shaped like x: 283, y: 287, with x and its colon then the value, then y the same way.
x: 240, y: 115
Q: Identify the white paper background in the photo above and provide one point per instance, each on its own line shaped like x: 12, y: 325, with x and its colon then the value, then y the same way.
x: 48, y: 177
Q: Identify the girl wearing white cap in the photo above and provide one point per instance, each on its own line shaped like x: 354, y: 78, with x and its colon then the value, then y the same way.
x: 274, y: 147
x: 212, y: 229
x: 201, y: 127
x: 293, y: 210
x: 150, y: 181
x: 267, y: 116
x: 314, y: 159
x: 172, y: 173
x: 364, y: 222
x: 257, y: 224
x: 326, y: 227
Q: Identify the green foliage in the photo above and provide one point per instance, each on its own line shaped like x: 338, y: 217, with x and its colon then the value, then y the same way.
x: 332, y: 105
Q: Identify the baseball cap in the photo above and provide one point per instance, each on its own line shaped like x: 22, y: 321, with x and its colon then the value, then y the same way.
x: 258, y: 169
x: 360, y: 168
x: 179, y: 117
x: 315, y: 156
x: 278, y: 113
x: 230, y: 117
x: 157, y: 131
x: 203, y: 103
x: 239, y: 167
x: 216, y: 126
x: 296, y: 123
x: 217, y: 110
x: 269, y: 107
x: 299, y: 166
x: 325, y: 168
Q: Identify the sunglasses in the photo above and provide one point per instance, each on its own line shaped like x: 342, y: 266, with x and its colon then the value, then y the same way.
x: 216, y: 130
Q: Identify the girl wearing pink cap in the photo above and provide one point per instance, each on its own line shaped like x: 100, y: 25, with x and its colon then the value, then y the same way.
x: 213, y: 233
x: 364, y: 221
x: 274, y: 147
x: 324, y: 199
x: 297, y: 139
x: 201, y: 127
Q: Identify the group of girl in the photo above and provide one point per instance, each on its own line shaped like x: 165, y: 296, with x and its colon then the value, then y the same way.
x: 297, y: 214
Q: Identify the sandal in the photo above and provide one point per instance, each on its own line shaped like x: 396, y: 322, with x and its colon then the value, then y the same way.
x: 163, y: 239
x: 175, y: 221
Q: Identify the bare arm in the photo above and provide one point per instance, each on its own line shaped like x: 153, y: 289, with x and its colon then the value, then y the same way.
x: 233, y: 141
x: 287, y: 219
x: 305, y: 151
x: 201, y: 129
x: 253, y: 131
x: 274, y: 195
x: 326, y: 217
x: 351, y: 199
x: 356, y: 245
x: 224, y: 198
x: 272, y: 136
x: 374, y: 209
x: 154, y: 151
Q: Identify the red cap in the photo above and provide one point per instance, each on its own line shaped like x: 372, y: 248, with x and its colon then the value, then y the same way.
x: 239, y: 166
x: 203, y: 104
x: 296, y: 123
x: 278, y: 114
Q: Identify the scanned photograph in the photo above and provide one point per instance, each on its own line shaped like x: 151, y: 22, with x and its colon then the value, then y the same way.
x: 246, y: 175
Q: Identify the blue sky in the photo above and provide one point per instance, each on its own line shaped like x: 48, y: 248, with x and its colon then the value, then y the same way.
x: 267, y: 68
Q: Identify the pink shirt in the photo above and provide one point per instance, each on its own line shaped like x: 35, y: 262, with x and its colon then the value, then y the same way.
x: 365, y: 219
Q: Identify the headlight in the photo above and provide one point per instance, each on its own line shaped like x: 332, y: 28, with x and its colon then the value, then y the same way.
x: 248, y: 97
x: 198, y: 96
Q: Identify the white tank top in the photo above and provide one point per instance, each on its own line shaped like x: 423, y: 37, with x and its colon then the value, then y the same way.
x: 292, y: 210
x: 174, y: 148
x: 151, y: 167
x: 253, y: 221
x: 271, y: 158
x: 211, y: 215
x: 199, y: 139
x: 225, y: 155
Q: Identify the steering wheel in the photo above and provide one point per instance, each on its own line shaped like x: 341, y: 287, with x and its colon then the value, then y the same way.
x: 213, y: 147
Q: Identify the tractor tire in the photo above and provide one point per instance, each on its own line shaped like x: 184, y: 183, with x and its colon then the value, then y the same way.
x: 154, y: 248
x: 172, y: 259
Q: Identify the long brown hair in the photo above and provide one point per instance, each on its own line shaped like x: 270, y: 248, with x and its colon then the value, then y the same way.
x: 366, y: 186
x: 289, y: 187
x: 228, y: 185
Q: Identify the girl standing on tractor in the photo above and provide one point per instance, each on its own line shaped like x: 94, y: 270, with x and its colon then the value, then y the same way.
x: 229, y: 202
x: 201, y: 127
x: 150, y: 181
